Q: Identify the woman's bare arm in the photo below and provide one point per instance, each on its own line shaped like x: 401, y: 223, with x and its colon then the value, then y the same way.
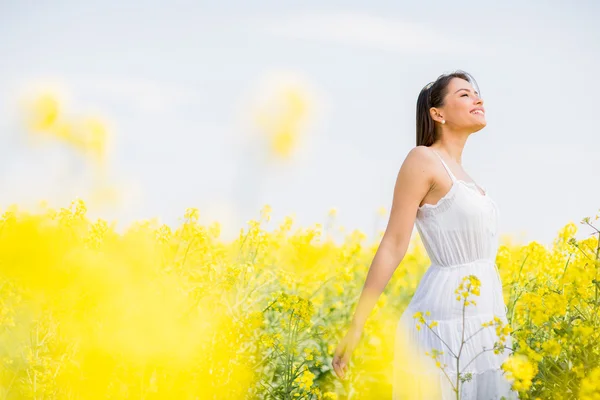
x: 413, y: 182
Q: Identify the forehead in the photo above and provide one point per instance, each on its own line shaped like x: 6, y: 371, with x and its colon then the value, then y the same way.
x: 459, y: 83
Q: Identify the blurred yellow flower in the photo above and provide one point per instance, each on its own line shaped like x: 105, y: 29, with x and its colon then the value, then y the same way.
x: 282, y: 118
x: 590, y: 386
x: 520, y: 371
x: 43, y: 112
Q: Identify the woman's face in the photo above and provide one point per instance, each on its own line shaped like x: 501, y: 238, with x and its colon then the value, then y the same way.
x: 463, y: 108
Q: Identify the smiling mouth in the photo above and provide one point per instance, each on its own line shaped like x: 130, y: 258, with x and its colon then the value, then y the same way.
x: 479, y: 112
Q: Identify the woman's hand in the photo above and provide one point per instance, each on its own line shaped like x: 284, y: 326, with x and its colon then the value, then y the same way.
x: 343, y: 352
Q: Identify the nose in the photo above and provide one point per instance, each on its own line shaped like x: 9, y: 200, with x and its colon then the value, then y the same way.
x: 478, y: 100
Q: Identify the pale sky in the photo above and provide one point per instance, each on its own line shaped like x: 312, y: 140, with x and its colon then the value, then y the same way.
x: 177, y: 82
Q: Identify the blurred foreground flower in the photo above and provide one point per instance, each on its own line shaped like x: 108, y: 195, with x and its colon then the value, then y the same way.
x: 590, y: 386
x: 88, y: 135
x: 176, y: 312
x: 282, y: 118
x: 519, y: 370
x: 46, y: 120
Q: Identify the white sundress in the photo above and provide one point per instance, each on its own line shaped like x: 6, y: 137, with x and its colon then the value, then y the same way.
x: 460, y: 235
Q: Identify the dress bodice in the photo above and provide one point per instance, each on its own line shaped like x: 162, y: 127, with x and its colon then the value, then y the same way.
x: 461, y: 227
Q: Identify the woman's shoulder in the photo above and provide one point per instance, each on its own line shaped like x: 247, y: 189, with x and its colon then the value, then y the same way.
x: 420, y: 164
x: 421, y: 155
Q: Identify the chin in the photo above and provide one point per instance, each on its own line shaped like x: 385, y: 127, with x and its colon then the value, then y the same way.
x: 478, y: 127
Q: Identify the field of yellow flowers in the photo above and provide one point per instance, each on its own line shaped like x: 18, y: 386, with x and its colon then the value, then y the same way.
x: 175, y: 312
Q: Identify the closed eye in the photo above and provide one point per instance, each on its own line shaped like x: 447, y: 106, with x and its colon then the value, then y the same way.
x: 464, y: 95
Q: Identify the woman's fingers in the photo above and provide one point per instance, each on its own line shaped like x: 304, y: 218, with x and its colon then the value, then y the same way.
x: 343, y: 369
x: 339, y: 366
x: 342, y: 364
x: 341, y: 359
x: 336, y: 360
x: 334, y: 364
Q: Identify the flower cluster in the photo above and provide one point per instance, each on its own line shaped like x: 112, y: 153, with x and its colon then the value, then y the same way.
x: 519, y: 370
x: 590, y: 386
x: 299, y: 308
x: 469, y: 286
x: 503, y: 330
x: 434, y: 354
x: 421, y: 320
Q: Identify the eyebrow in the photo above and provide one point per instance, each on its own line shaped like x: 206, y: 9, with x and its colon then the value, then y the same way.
x: 468, y: 90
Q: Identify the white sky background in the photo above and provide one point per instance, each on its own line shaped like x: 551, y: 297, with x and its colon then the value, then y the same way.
x: 177, y: 82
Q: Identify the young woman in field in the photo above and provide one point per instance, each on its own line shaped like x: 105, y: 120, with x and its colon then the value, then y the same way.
x: 461, y: 290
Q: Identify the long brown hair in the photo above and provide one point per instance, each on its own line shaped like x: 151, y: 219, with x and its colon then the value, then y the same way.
x: 432, y: 95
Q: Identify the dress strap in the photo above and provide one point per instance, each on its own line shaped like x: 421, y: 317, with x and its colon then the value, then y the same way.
x: 445, y: 166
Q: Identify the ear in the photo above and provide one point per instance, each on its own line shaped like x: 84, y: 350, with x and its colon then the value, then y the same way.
x: 436, y: 114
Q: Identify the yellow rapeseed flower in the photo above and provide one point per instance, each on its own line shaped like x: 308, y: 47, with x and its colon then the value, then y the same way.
x: 520, y: 371
x: 590, y: 386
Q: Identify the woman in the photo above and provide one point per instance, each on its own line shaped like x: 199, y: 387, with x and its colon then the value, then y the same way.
x: 444, y: 324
